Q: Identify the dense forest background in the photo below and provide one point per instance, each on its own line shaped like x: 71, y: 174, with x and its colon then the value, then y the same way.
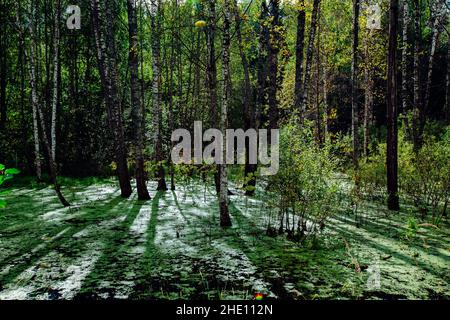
x: 360, y: 90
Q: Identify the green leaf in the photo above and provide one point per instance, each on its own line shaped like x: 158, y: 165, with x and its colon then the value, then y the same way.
x: 2, y: 204
x: 2, y: 167
x: 12, y: 171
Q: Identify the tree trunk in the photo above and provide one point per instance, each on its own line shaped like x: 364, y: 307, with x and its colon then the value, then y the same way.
x: 354, y: 96
x: 37, y: 112
x: 434, y: 41
x: 418, y: 110
x: 309, y: 55
x: 392, y: 139
x: 105, y: 43
x: 156, y: 83
x: 319, y: 137
x: 3, y: 64
x: 299, y: 57
x: 262, y: 68
x: 34, y: 103
x: 447, y: 83
x: 273, y: 64
x: 56, y: 68
x: 325, y: 102
x: 405, y: 73
x: 368, y: 99
x: 136, y: 103
x: 225, y: 220
x: 249, y: 108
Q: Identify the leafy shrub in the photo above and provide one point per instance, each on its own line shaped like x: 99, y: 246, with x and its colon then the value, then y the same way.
x: 424, y: 176
x: 427, y: 182
x: 304, y: 188
x: 411, y: 229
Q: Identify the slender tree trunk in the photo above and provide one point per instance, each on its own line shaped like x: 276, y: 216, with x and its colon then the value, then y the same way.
x: 447, y: 83
x: 262, y: 67
x: 392, y: 139
x: 136, y: 104
x: 434, y: 41
x: 157, y: 110
x: 299, y: 57
x: 325, y: 102
x: 368, y: 99
x: 405, y: 73
x: 38, y: 115
x: 3, y: 64
x: 319, y: 137
x: 225, y: 219
x: 211, y: 74
x: 354, y: 96
x: 56, y: 68
x: 34, y: 103
x: 309, y: 55
x: 418, y: 110
x: 249, y: 107
x: 105, y: 43
x: 274, y: 43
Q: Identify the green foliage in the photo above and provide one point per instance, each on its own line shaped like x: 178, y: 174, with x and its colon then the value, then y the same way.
x: 424, y: 176
x: 411, y: 229
x: 5, y: 175
x: 304, y: 187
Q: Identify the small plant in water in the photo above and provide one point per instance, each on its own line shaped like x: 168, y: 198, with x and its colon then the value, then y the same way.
x: 411, y: 229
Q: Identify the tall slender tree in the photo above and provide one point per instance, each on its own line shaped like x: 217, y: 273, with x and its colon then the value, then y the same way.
x: 225, y: 220
x: 392, y: 138
x: 417, y: 99
x: 309, y: 55
x: 249, y: 105
x: 405, y: 69
x: 299, y: 56
x: 157, y: 92
x: 136, y: 103
x: 354, y: 96
x: 102, y: 21
x: 39, y: 116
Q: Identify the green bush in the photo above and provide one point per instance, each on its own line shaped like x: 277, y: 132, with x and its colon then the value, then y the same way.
x: 304, y: 189
x: 424, y: 176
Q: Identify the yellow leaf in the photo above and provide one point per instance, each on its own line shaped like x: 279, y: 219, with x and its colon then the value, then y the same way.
x: 200, y: 23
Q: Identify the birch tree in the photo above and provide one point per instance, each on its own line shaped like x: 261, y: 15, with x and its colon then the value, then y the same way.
x: 102, y: 21
x: 225, y: 220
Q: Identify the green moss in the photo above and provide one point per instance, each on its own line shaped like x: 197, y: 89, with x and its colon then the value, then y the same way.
x: 171, y: 247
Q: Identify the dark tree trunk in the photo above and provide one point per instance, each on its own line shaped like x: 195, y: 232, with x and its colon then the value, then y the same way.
x: 354, y: 96
x: 299, y: 57
x: 447, y: 83
x: 273, y: 64
x: 249, y: 108
x: 136, y: 103
x: 3, y: 64
x: 309, y: 55
x: 392, y: 139
x: 105, y: 42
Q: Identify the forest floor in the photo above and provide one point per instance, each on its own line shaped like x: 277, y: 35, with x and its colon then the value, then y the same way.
x: 171, y: 247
